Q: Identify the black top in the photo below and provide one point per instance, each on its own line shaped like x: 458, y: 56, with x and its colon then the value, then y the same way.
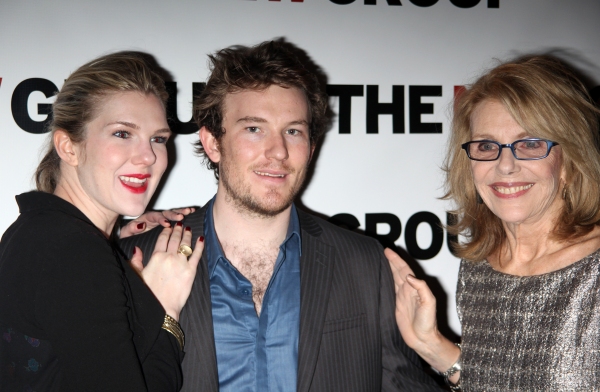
x: 74, y: 316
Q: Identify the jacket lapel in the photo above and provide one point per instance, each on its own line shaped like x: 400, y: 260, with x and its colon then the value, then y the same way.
x: 200, y: 363
x: 316, y: 271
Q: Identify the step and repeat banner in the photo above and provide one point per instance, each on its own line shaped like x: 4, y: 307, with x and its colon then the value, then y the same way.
x: 392, y: 69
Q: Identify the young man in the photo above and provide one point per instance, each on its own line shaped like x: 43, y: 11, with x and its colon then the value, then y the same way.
x: 283, y: 300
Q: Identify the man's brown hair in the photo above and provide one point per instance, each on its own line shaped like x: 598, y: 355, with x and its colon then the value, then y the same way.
x: 239, y: 68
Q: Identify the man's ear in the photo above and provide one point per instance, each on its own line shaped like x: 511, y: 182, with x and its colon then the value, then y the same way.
x: 210, y: 144
x: 65, y: 148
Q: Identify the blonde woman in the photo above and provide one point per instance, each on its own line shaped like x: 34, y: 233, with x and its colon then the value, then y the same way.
x: 74, y: 315
x: 523, y: 168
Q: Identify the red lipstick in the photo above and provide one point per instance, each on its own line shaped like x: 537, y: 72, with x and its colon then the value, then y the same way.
x: 135, y: 183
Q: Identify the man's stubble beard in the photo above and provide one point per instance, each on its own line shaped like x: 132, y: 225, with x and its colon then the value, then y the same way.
x: 239, y: 194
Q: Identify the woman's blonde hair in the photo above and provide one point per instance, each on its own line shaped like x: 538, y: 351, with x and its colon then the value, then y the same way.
x: 81, y: 95
x: 548, y: 100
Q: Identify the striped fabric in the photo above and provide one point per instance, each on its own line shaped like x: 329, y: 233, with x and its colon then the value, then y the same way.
x: 349, y: 340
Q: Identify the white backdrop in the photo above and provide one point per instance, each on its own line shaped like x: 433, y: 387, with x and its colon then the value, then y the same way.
x: 361, y: 43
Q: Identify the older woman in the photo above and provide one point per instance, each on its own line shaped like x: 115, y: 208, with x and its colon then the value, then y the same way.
x: 74, y: 315
x: 524, y: 171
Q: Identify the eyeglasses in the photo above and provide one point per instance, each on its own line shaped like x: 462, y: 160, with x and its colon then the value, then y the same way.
x: 523, y: 149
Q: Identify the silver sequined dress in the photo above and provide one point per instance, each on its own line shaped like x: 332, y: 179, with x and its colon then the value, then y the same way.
x: 534, y: 333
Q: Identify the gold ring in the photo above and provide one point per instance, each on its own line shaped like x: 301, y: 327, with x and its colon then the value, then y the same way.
x: 185, y: 250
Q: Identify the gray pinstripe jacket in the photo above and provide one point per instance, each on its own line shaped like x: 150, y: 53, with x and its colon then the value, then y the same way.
x: 349, y: 340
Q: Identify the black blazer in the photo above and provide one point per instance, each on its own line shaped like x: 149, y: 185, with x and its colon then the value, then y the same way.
x: 349, y: 340
x: 95, y: 325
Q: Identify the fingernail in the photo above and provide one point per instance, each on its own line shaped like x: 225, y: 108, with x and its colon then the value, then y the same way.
x: 179, y: 224
x: 187, y: 228
x: 134, y: 250
x: 140, y: 226
x: 201, y: 239
x: 167, y: 222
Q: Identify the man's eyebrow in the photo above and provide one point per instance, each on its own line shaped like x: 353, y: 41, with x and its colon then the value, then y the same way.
x: 262, y: 120
x: 298, y: 122
x: 252, y: 119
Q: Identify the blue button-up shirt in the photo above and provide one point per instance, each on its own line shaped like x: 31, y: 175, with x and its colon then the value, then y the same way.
x: 255, y: 353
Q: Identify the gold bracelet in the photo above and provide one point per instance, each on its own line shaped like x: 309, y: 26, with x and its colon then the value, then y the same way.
x: 172, y: 326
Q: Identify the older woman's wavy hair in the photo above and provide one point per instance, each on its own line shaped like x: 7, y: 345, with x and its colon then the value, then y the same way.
x: 81, y: 96
x: 240, y: 68
x: 548, y: 100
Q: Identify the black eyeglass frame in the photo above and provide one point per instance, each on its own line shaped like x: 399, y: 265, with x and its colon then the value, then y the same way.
x: 549, y: 145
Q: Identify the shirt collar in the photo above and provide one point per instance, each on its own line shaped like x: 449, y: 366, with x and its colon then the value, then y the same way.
x: 213, y: 250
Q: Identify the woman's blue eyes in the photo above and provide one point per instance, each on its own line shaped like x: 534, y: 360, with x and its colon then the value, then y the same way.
x: 155, y: 139
x: 160, y: 139
x: 122, y: 134
x: 487, y: 146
